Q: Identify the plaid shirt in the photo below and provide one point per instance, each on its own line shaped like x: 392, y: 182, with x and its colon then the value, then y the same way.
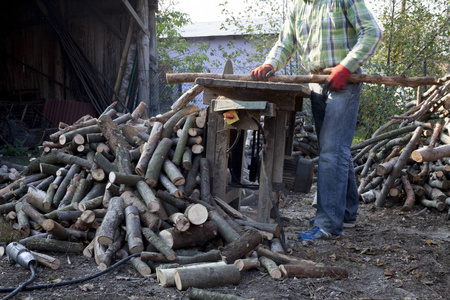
x: 326, y: 33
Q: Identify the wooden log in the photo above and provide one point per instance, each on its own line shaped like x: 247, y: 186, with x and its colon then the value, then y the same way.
x: 149, y: 219
x: 23, y: 224
x: 60, y: 192
x: 280, y: 258
x: 133, y: 225
x: 410, y: 196
x: 141, y: 266
x: 428, y: 154
x: 439, y: 205
x: 205, y: 185
x: 46, y: 260
x: 210, y: 256
x: 89, y: 204
x: 197, y: 214
x: 246, y: 264
x: 112, y: 220
x: 187, y: 97
x: 395, y: 173
x: 48, y: 168
x: 434, y: 193
x: 166, y: 278
x: 276, y: 246
x: 240, y: 247
x: 156, y: 162
x: 180, y: 221
x: 194, y: 131
x: 33, y: 213
x: 199, y: 294
x: 229, y: 209
x: 55, y: 229
x: 271, y: 267
x: 301, y: 271
x: 272, y: 228
x: 82, y: 190
x: 195, y: 236
x: 36, y: 198
x: 170, y: 187
x: 206, y: 277
x: 169, y: 125
x: 179, y: 150
x: 162, y: 118
x: 85, y: 221
x: 104, y: 163
x: 124, y: 178
x: 148, y: 196
x: 301, y: 79
x: 173, y: 173
x: 159, y: 244
x: 73, y: 160
x: 177, y: 202
x: 186, y: 160
x: 386, y: 167
x: 226, y: 231
x: 200, y: 121
x: 111, y: 251
x: 148, y: 148
x: 71, y: 188
x: 51, y: 245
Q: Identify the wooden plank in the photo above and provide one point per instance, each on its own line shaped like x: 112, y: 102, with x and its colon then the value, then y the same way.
x: 135, y: 16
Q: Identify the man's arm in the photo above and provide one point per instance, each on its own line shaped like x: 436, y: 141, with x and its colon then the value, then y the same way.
x: 369, y: 34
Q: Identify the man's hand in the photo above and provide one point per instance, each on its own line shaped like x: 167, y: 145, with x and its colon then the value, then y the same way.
x: 338, y: 77
x: 261, y: 72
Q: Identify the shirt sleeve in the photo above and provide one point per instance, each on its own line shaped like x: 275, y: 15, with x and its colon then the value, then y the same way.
x: 285, y: 47
x: 369, y: 34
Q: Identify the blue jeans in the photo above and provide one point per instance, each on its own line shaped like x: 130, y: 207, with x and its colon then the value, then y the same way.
x: 335, y: 120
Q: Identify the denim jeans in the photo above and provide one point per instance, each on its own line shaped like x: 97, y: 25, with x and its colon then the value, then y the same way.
x: 335, y: 120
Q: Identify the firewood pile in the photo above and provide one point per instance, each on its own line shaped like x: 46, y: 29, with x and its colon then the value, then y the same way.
x: 305, y: 138
x: 126, y: 184
x: 409, y: 164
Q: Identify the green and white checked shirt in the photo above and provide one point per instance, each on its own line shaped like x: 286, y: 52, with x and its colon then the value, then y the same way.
x: 326, y: 33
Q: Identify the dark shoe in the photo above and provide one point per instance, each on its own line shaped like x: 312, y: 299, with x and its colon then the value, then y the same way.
x: 346, y: 225
x: 316, y: 233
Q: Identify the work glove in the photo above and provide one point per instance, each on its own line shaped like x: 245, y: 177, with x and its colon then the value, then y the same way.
x: 338, y: 77
x: 261, y: 73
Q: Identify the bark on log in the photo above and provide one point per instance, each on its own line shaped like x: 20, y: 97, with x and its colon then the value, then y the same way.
x: 170, y: 187
x: 85, y: 221
x: 272, y: 228
x: 205, y: 185
x: 246, y: 264
x: 177, y: 202
x: 149, y: 219
x: 148, y: 196
x: 195, y: 236
x: 240, y: 247
x: 301, y: 79
x: 124, y: 178
x: 395, y: 173
x: 133, y: 226
x: 271, y: 267
x: 428, y: 154
x: 210, y: 256
x: 280, y: 258
x: 159, y: 244
x: 184, y: 100
x: 60, y: 192
x: 206, y: 277
x: 51, y: 245
x: 199, y: 294
x: 141, y: 266
x: 55, y: 229
x: 173, y: 173
x: 156, y: 162
x: 301, y: 271
x: 165, y: 276
x: 169, y: 125
x: 179, y: 150
x: 46, y: 260
x: 149, y: 147
x: 111, y: 251
x: 112, y: 220
x: 226, y: 231
x: 410, y: 196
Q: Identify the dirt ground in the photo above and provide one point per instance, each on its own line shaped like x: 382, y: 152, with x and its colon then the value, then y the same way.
x: 389, y: 255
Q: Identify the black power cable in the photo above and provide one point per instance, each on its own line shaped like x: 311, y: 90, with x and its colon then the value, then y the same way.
x: 51, y: 285
x: 23, y: 285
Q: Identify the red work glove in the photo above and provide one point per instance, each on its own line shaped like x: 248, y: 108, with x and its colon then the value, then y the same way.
x: 261, y: 72
x: 338, y: 77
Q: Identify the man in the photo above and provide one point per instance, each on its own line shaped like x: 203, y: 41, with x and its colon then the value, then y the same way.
x: 333, y: 37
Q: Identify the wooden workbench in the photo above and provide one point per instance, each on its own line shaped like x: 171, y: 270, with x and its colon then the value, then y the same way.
x: 277, y: 103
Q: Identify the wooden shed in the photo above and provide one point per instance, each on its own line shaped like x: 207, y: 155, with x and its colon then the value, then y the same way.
x: 61, y: 59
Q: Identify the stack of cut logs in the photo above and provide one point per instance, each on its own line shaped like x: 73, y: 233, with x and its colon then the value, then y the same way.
x: 305, y: 138
x: 411, y: 163
x: 124, y: 184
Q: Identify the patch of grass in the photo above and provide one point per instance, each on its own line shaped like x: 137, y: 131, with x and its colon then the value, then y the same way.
x: 7, y: 232
x: 16, y: 149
